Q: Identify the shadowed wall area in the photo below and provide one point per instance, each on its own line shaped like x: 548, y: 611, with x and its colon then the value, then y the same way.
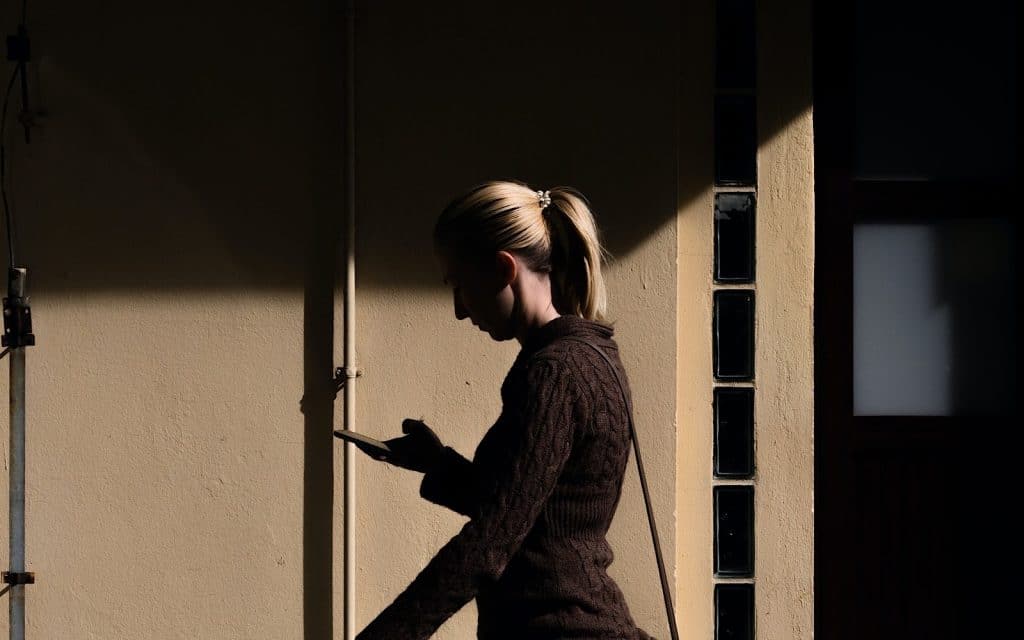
x: 197, y: 146
x: 210, y: 134
x: 180, y: 210
x: 190, y: 146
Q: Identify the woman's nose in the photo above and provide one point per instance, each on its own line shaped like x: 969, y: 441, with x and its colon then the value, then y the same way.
x: 460, y: 310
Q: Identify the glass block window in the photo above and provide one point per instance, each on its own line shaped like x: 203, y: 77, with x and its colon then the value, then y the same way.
x: 734, y: 237
x: 735, y: 43
x: 734, y: 432
x: 734, y: 612
x: 735, y: 140
x: 733, y: 340
x: 734, y: 530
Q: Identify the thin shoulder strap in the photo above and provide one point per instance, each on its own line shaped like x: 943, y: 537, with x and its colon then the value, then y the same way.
x: 643, y: 483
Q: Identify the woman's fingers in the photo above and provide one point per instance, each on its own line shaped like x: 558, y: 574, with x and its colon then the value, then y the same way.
x: 409, y: 425
x: 421, y: 432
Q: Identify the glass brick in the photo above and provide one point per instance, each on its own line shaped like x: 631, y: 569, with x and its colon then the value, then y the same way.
x: 734, y: 612
x: 734, y: 237
x: 733, y: 334
x: 735, y: 140
x: 734, y: 432
x: 734, y: 531
x: 735, y: 44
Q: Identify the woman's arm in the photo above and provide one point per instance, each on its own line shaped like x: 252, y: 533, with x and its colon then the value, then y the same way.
x: 536, y: 439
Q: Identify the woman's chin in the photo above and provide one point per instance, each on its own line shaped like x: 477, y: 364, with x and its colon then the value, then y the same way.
x: 493, y: 334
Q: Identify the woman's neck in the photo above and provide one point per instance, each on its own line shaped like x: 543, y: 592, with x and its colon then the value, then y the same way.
x: 536, y: 305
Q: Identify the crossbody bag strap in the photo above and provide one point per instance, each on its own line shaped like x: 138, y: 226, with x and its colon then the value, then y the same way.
x: 669, y: 609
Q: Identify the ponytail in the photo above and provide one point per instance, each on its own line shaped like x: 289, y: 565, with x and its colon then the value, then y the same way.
x: 560, y: 239
x: 576, y: 256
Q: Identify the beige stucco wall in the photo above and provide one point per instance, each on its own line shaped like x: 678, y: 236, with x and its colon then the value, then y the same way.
x: 173, y: 210
x: 784, y: 363
x: 179, y: 211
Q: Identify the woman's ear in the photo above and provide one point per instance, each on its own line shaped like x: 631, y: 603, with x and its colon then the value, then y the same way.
x: 507, y: 267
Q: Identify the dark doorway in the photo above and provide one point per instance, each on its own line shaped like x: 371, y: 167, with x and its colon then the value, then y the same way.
x: 917, y: 289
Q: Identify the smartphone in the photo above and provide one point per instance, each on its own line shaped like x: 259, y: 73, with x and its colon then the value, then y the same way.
x: 368, y: 445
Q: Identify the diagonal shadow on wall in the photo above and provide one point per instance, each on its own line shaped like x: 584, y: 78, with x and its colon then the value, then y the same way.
x: 199, y: 147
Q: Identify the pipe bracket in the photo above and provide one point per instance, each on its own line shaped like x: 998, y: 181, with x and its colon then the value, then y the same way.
x: 344, y: 374
x: 19, y: 577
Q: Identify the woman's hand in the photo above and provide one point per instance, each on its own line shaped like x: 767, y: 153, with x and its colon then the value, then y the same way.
x: 420, y: 450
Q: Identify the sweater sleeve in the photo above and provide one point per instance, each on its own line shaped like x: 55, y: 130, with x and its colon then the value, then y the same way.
x: 452, y: 484
x: 539, y: 434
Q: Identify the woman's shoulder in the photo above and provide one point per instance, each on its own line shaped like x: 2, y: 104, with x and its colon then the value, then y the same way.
x: 584, y: 359
x: 568, y: 347
x: 566, y: 335
x: 571, y: 349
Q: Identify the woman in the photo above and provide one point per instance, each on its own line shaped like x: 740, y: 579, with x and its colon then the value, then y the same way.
x: 545, y: 480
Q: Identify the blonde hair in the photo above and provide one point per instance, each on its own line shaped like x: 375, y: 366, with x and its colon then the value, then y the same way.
x: 560, y: 239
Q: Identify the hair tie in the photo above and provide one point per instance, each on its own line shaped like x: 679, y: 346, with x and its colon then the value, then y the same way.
x: 544, y: 199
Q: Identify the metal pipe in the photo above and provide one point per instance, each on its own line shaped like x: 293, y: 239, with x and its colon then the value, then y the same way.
x: 17, y: 490
x: 16, y: 291
x: 350, y: 323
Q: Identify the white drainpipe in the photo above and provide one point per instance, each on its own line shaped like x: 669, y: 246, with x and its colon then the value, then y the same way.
x: 350, y: 326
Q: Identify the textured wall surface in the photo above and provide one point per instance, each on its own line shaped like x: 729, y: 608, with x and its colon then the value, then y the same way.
x: 784, y: 362
x: 180, y: 210
x: 164, y: 463
x: 173, y: 209
x: 695, y: 251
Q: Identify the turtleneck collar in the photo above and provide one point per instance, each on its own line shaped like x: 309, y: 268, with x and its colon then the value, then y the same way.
x: 566, y: 325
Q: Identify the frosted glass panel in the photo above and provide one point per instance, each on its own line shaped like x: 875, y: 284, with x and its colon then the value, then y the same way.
x: 933, y: 318
x: 901, y: 339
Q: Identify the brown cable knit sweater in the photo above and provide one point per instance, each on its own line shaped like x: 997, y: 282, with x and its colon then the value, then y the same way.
x: 540, y: 494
